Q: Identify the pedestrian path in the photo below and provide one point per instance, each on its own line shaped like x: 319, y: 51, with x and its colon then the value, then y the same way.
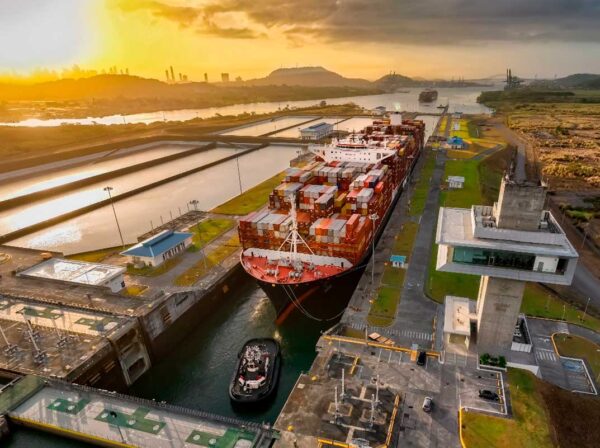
x: 110, y: 419
x: 391, y: 332
x: 542, y: 354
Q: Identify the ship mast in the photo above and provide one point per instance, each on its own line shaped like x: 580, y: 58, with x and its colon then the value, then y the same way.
x: 294, y: 237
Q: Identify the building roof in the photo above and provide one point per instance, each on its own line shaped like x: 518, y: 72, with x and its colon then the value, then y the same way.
x: 318, y: 126
x: 158, y: 244
x: 455, y: 139
x: 398, y: 259
x: 456, y: 179
x: 455, y: 228
x: 73, y: 271
x: 458, y: 312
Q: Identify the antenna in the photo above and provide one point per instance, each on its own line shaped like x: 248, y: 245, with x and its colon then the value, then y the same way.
x: 293, y: 238
x: 10, y: 350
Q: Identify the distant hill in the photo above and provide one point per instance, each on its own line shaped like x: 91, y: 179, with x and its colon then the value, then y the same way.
x: 392, y: 82
x: 102, y: 87
x: 309, y: 77
x: 579, y: 81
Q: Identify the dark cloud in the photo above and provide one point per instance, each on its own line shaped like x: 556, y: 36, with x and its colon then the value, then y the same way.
x: 393, y: 21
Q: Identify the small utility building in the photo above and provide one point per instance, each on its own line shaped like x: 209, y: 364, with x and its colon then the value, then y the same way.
x: 316, y: 131
x: 155, y: 250
x: 456, y: 182
x: 456, y: 142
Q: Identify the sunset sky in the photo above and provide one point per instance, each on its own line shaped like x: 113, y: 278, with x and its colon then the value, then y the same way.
x: 358, y: 38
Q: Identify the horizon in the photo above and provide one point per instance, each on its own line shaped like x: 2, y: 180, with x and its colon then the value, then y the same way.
x: 433, y: 40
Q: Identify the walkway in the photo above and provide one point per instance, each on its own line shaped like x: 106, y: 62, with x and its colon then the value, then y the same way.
x: 110, y: 419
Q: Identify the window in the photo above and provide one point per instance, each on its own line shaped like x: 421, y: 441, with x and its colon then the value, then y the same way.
x: 495, y: 258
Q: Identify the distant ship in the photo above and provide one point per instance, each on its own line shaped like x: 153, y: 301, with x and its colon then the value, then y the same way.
x: 257, y: 371
x: 310, y: 249
x: 428, y: 96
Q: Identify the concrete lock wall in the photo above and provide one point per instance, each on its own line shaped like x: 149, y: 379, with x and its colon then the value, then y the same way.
x: 498, y: 308
x: 520, y: 206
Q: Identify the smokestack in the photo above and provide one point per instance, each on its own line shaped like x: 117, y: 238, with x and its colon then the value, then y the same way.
x: 180, y: 77
x: 167, y: 74
x: 172, y: 74
x: 206, y: 77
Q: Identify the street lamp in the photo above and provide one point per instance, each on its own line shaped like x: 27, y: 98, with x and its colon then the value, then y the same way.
x: 113, y: 415
x: 374, y: 217
x: 194, y: 203
x: 237, y: 162
x: 585, y: 310
x: 108, y: 189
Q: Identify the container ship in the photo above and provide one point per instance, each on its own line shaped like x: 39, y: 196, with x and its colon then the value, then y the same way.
x: 310, y: 248
x: 428, y: 96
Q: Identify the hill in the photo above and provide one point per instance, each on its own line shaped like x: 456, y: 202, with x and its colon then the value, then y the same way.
x: 579, y: 81
x: 308, y: 77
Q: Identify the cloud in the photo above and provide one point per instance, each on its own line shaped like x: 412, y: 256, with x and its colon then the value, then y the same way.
x: 437, y: 22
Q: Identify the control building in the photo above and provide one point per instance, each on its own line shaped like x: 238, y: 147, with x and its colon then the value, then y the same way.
x: 508, y: 244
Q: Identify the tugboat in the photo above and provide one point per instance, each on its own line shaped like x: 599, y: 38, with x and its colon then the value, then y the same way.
x: 257, y: 371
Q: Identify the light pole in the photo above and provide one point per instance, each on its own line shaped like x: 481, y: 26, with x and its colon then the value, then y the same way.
x: 237, y: 162
x: 374, y: 218
x: 194, y: 203
x: 113, y: 415
x: 585, y: 310
x: 108, y: 189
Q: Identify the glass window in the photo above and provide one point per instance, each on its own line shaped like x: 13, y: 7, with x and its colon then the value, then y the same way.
x: 496, y: 258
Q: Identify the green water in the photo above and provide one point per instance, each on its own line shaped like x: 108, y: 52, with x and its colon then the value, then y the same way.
x: 197, y: 373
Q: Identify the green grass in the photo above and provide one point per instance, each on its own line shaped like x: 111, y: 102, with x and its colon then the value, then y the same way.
x: 213, y: 258
x: 149, y: 271
x: 442, y: 284
x: 134, y: 290
x: 208, y: 230
x: 419, y: 196
x: 540, y: 302
x: 97, y: 256
x: 578, y: 347
x: 528, y: 429
x: 250, y: 200
x: 383, y: 309
x: 470, y: 194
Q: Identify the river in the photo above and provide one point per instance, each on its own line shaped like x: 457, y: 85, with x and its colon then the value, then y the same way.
x: 459, y: 99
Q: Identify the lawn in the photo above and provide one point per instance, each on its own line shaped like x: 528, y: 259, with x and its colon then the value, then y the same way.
x: 250, y: 200
x: 149, y: 271
x: 207, y: 230
x: 213, y: 258
x: 442, y: 284
x: 383, y: 309
x: 578, y: 347
x: 96, y: 256
x: 538, y: 301
x: 134, y: 290
x: 471, y: 193
x: 528, y: 429
x: 419, y: 196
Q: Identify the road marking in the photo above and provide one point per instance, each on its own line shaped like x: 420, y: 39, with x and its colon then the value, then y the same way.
x: 544, y: 354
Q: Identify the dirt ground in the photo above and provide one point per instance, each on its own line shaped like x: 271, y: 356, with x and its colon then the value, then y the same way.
x: 573, y: 417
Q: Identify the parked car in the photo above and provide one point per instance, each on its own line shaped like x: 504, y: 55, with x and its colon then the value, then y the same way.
x: 422, y: 358
x: 489, y: 395
x: 428, y: 404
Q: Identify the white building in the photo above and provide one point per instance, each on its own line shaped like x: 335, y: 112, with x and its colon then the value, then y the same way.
x: 456, y: 182
x: 316, y: 131
x: 78, y: 272
x: 155, y: 250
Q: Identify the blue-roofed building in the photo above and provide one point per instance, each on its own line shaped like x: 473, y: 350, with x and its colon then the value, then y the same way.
x: 316, y: 131
x: 155, y: 250
x: 456, y: 142
x: 398, y: 261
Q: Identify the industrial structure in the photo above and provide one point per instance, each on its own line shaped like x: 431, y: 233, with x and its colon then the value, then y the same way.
x: 512, y: 82
x: 316, y: 131
x: 508, y: 244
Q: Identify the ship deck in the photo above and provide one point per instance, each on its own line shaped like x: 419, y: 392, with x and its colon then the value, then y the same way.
x: 262, y: 268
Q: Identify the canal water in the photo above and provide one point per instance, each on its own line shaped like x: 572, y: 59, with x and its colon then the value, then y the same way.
x: 459, y: 99
x: 137, y: 214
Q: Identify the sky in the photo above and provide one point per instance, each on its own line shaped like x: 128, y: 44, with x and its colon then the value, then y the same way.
x: 357, y: 38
